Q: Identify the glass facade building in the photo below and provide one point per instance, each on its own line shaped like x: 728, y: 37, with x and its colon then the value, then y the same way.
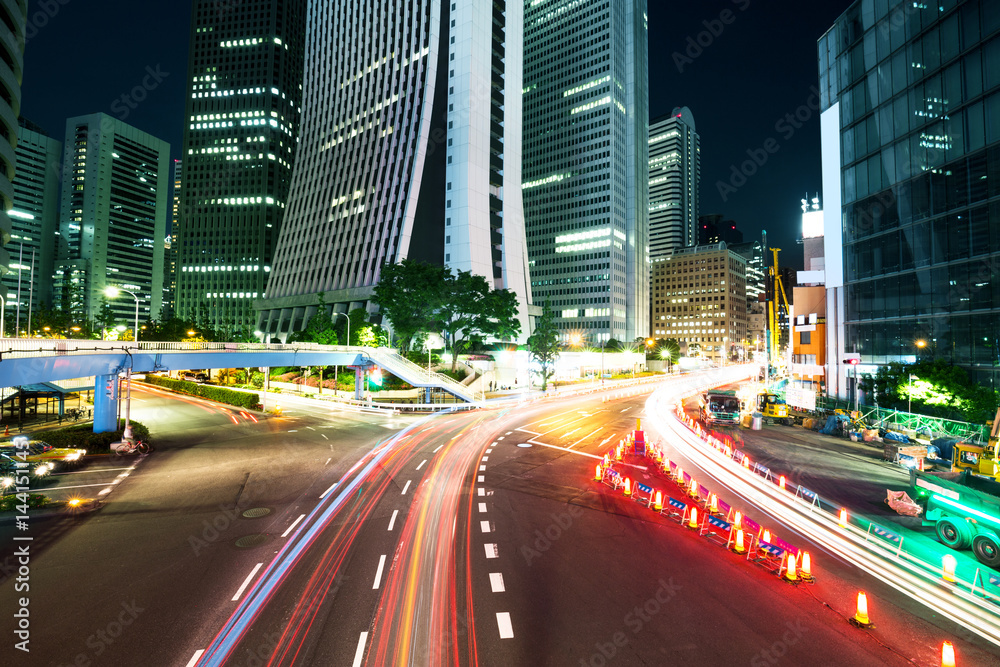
x: 910, y: 99
x: 12, y: 27
x: 674, y: 179
x: 585, y: 165
x: 241, y: 126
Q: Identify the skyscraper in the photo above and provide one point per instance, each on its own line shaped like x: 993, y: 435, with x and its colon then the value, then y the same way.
x: 910, y: 130
x: 170, y: 247
x: 674, y: 180
x: 113, y: 218
x: 585, y: 165
x: 410, y: 149
x: 34, y: 219
x: 14, y: 15
x: 241, y: 127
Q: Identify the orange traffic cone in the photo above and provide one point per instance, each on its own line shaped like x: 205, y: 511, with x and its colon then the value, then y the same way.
x: 6, y: 431
x: 861, y: 618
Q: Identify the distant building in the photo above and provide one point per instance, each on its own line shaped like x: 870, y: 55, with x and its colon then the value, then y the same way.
x: 170, y: 248
x: 699, y: 299
x: 241, y: 130
x: 586, y: 167
x: 34, y: 221
x: 756, y: 287
x: 14, y: 14
x: 713, y: 229
x: 808, y: 333
x: 674, y: 182
x: 113, y: 218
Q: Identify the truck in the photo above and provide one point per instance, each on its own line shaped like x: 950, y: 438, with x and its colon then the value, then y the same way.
x: 963, y: 508
x: 720, y: 407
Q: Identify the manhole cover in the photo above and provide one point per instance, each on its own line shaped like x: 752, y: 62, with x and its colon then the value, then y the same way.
x: 248, y: 541
x: 525, y: 444
x: 256, y: 512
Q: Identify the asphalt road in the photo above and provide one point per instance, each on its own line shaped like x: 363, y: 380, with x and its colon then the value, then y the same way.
x: 453, y: 543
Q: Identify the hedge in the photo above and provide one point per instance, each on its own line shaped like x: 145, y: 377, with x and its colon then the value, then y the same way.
x: 10, y: 502
x: 82, y: 436
x: 239, y: 399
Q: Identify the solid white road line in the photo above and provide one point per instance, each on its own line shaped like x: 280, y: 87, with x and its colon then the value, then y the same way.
x: 436, y: 449
x: 491, y: 551
x: 482, y: 507
x: 360, y: 653
x: 484, y: 526
x: 405, y: 487
x: 83, y: 486
x: 503, y: 623
x: 194, y: 658
x: 378, y: 572
x: 332, y: 487
x: 294, y: 523
x: 584, y: 437
x: 392, y: 521
x: 421, y: 464
x: 246, y: 582
x: 496, y: 582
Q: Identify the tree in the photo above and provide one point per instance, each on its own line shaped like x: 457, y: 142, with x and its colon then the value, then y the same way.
x: 409, y: 294
x: 319, y: 329
x: 937, y: 388
x: 470, y: 311
x: 544, y: 344
x: 670, y: 350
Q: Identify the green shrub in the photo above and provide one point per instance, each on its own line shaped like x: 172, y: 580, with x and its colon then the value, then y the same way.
x: 10, y: 502
x: 82, y: 436
x: 219, y: 394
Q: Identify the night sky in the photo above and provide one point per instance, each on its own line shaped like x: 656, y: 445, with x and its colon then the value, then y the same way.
x: 759, y: 66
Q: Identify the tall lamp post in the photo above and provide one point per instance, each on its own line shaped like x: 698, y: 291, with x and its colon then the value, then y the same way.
x: 348, y: 325
x: 113, y: 292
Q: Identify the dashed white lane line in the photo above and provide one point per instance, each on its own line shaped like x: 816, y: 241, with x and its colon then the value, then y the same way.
x: 392, y: 521
x: 405, y: 487
x: 501, y: 437
x: 482, y: 468
x: 83, y: 486
x: 503, y: 623
x: 489, y: 450
x: 486, y: 458
x: 194, y: 658
x: 509, y: 432
x: 332, y: 487
x: 484, y: 526
x: 328, y: 461
x: 378, y: 572
x: 496, y: 582
x: 481, y: 491
x: 482, y: 478
x: 421, y: 464
x: 482, y: 507
x: 436, y: 449
x: 626, y: 409
x: 360, y: 653
x: 323, y: 435
x: 491, y: 551
x: 294, y: 523
x: 246, y: 582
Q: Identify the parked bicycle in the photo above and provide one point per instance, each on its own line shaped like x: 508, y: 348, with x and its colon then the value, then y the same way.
x: 133, y: 447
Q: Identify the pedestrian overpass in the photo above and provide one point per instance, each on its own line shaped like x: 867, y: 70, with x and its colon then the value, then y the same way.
x: 28, y: 361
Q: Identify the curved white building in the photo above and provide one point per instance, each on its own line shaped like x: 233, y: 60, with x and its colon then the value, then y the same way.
x: 410, y: 148
x: 14, y: 14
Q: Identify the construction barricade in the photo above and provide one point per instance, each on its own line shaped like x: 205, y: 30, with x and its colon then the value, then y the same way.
x: 716, y: 529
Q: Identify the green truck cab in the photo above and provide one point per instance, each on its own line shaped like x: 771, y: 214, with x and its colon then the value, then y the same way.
x: 964, y: 510
x: 720, y: 407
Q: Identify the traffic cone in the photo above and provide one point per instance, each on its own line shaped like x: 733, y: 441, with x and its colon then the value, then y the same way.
x: 790, y: 574
x: 628, y: 487
x: 948, y: 564
x: 805, y: 573
x: 781, y: 481
x: 738, y: 520
x: 597, y: 475
x: 658, y: 503
x: 861, y: 618
x: 738, y: 545
x: 767, y: 536
x: 693, y: 519
x: 843, y: 518
x: 713, y: 504
x: 6, y: 431
x: 947, y: 655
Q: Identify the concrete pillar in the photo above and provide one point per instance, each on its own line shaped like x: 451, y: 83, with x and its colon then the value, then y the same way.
x: 105, y: 403
x: 427, y: 395
x: 359, y: 383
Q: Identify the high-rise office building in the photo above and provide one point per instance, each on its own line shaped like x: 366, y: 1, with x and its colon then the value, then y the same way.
x: 410, y: 149
x: 910, y: 130
x: 674, y: 180
x: 699, y: 299
x: 169, y: 309
x: 34, y: 220
x: 756, y: 289
x: 113, y: 218
x: 14, y: 15
x: 585, y: 165
x: 713, y: 229
x: 240, y: 132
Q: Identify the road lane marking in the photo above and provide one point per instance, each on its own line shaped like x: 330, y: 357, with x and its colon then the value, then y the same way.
x: 491, y: 551
x: 500, y: 438
x: 508, y: 432
x: 626, y: 409
x: 405, y: 487
x: 486, y: 458
x: 482, y: 478
x: 503, y: 623
x: 606, y: 440
x: 83, y: 486
x: 496, y: 582
x: 482, y: 468
x: 489, y: 450
x: 482, y: 507
x: 585, y: 437
x: 566, y: 435
x: 378, y: 572
x: 524, y: 430
x: 484, y: 526
x: 324, y: 436
x: 392, y: 521
x: 194, y: 658
x: 325, y: 493
x: 573, y: 451
x: 294, y: 523
x: 481, y: 491
x: 437, y: 448
x: 80, y: 472
x: 328, y: 461
x: 360, y: 653
x: 421, y: 464
x: 246, y: 582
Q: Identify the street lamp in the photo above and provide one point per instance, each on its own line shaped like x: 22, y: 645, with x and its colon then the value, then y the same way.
x: 113, y: 292
x: 346, y: 317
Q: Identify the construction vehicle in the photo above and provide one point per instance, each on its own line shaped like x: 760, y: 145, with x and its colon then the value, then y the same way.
x: 979, y: 459
x: 964, y: 509
x: 773, y: 408
x: 720, y: 407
